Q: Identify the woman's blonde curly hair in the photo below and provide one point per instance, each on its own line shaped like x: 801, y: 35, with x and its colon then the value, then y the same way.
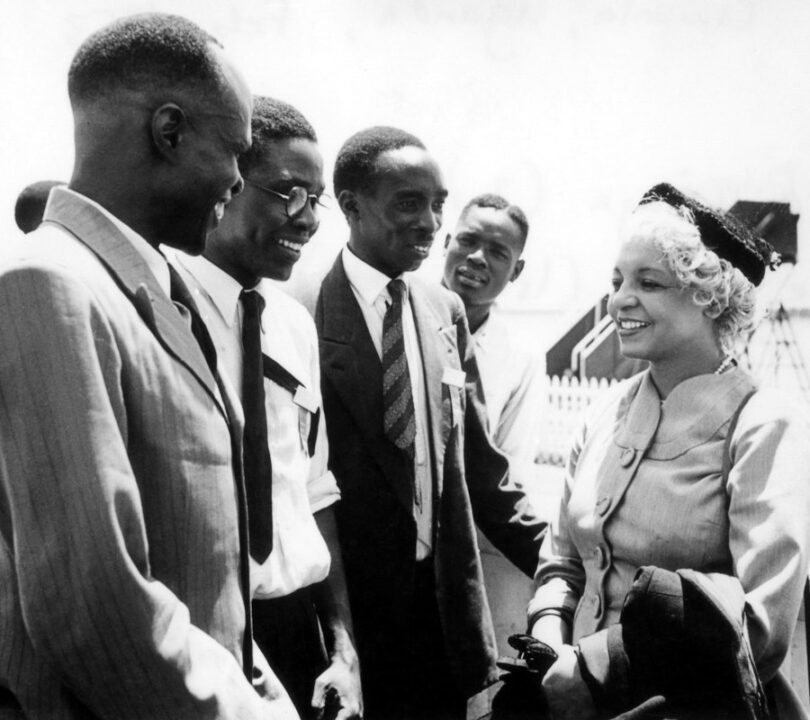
x: 724, y: 293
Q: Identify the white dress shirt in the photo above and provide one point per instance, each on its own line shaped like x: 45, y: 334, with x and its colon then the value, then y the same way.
x: 369, y: 286
x: 513, y: 390
x: 302, y: 485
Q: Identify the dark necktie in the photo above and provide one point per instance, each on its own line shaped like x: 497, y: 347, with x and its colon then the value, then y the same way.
x: 258, y: 474
x: 180, y: 295
x: 399, y: 419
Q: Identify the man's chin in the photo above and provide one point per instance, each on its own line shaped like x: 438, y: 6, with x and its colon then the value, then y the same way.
x: 279, y: 273
x: 190, y: 239
x: 188, y: 247
x: 414, y: 265
x: 463, y: 292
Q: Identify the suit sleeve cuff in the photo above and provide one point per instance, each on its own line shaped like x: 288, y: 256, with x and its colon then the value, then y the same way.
x: 605, y: 668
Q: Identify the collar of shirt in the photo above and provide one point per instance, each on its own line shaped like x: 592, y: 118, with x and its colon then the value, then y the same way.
x: 222, y: 289
x: 368, y: 282
x: 153, y: 258
x: 481, y: 332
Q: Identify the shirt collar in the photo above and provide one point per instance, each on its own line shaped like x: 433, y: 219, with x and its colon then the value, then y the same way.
x: 153, y: 258
x: 481, y: 332
x: 366, y: 280
x: 222, y: 289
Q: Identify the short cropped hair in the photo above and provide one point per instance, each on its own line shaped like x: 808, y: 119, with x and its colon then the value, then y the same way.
x: 273, y: 120
x: 140, y: 52
x: 721, y: 289
x: 498, y: 202
x: 30, y: 205
x: 356, y: 163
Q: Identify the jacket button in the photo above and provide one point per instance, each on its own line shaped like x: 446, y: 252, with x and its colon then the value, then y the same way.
x: 627, y: 457
x: 602, y: 505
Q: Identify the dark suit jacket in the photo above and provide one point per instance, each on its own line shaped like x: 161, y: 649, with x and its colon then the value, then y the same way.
x: 120, y: 590
x: 375, y: 515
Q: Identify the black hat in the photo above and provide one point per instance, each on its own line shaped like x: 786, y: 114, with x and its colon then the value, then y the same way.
x: 722, y: 233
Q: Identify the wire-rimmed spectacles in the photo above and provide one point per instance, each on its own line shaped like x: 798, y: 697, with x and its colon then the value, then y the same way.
x: 296, y: 200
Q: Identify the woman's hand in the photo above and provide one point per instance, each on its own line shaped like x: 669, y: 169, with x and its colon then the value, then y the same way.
x: 551, y: 630
x: 567, y: 695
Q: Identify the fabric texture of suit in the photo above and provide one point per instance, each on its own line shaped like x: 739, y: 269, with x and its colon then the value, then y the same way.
x: 375, y: 515
x: 120, y: 551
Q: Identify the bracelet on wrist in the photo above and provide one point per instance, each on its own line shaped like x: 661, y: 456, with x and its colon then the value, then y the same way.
x: 565, y: 614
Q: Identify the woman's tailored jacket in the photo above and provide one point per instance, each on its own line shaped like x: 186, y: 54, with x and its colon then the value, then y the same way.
x: 645, y: 486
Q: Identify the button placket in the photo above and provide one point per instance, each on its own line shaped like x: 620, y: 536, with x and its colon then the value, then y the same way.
x: 629, y: 459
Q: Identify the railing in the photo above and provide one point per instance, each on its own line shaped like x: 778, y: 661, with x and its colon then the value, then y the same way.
x: 567, y: 400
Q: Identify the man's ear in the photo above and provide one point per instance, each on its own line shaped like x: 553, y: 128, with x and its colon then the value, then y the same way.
x: 519, y: 265
x: 169, y: 127
x: 347, y: 200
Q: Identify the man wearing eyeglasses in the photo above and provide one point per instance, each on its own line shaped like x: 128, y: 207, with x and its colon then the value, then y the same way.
x: 267, y: 346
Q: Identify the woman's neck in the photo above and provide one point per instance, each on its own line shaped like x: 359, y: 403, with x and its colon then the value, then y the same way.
x: 668, y: 375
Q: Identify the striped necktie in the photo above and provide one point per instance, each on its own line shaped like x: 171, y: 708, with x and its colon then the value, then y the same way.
x: 399, y: 419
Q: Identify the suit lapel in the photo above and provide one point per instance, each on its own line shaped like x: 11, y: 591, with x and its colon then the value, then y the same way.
x: 349, y: 358
x: 438, y: 347
x: 130, y: 271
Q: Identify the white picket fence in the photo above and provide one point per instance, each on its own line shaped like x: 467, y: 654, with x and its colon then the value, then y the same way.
x: 567, y: 400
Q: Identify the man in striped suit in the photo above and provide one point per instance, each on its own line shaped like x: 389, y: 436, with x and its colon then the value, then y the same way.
x: 122, y: 537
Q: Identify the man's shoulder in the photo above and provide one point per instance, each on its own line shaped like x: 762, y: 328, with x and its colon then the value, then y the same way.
x: 336, y: 275
x: 51, y: 251
x: 437, y: 296
x: 284, y: 309
x: 502, y: 335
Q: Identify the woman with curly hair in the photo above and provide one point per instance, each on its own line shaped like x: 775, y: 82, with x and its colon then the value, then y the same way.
x: 671, y: 584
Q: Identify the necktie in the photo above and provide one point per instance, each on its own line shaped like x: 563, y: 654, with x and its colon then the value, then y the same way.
x: 258, y: 474
x: 180, y: 295
x: 399, y: 420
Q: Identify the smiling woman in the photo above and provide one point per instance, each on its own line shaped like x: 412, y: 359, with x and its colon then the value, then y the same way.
x: 686, y: 495
x: 675, y: 302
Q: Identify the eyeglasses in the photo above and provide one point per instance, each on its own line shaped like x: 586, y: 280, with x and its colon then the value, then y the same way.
x: 297, y: 200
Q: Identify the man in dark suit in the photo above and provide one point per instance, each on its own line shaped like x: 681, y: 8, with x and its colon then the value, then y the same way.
x: 123, y: 583
x: 408, y: 442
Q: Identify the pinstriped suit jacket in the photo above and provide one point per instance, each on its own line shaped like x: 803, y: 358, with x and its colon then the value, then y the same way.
x: 119, y: 533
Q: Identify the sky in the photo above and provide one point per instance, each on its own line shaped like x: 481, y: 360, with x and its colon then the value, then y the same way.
x: 571, y: 109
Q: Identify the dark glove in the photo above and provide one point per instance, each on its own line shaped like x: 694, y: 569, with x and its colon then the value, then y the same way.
x: 533, y: 660
x: 518, y: 695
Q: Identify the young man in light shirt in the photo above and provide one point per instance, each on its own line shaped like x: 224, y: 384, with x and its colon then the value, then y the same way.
x: 301, y: 581
x: 482, y: 258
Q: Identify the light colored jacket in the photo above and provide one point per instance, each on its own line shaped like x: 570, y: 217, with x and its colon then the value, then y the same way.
x: 645, y: 486
x: 120, y: 588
